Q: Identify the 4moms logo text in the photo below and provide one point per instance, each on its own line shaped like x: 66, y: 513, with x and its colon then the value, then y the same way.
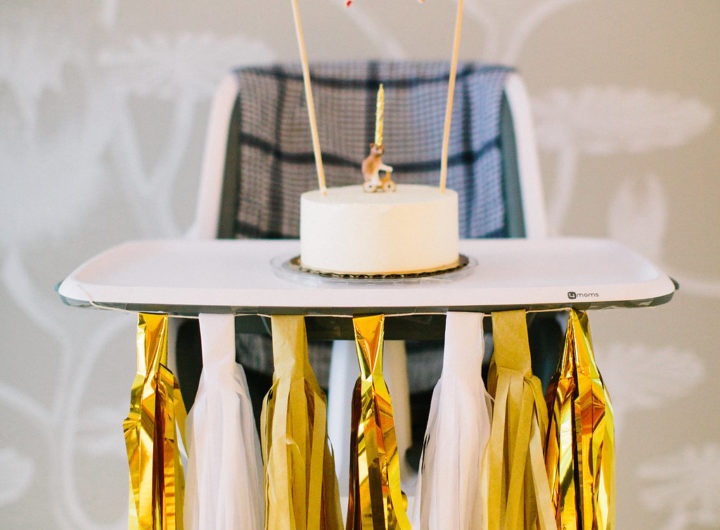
x: 572, y: 295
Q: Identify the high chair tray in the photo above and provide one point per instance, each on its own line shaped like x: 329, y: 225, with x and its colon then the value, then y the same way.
x: 251, y: 277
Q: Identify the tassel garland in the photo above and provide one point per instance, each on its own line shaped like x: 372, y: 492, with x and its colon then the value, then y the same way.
x: 448, y: 491
x: 156, y: 413
x: 224, y: 472
x: 580, y: 450
x: 475, y: 472
x: 376, y: 501
x: 514, y: 479
x: 301, y: 490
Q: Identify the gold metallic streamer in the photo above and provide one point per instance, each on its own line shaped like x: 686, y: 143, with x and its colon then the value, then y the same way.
x: 156, y: 412
x: 580, y: 449
x: 376, y: 501
x: 514, y: 480
x: 301, y: 490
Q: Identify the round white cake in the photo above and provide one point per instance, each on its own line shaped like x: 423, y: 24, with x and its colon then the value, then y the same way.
x: 413, y: 229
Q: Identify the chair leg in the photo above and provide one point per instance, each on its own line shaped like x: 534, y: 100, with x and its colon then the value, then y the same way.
x: 343, y: 374
x: 185, y: 356
x: 395, y: 372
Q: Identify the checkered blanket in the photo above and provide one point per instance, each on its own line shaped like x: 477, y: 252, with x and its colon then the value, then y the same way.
x: 270, y: 156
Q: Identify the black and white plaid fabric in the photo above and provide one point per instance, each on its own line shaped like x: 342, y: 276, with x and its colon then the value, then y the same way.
x: 275, y: 163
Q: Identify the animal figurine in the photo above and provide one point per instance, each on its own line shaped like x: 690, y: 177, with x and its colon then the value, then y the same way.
x: 371, y: 168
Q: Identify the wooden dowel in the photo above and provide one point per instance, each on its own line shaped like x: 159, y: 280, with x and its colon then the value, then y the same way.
x: 309, y: 100
x: 451, y: 92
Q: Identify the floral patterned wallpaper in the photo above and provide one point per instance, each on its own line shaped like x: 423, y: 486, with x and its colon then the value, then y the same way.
x: 103, y: 108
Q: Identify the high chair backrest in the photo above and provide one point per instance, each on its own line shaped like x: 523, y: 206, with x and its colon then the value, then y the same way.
x: 259, y: 152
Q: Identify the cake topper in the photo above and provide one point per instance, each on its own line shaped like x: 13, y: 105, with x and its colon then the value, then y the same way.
x: 373, y: 164
x: 311, y: 105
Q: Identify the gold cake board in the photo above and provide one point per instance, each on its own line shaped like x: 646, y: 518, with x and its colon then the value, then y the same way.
x: 297, y: 265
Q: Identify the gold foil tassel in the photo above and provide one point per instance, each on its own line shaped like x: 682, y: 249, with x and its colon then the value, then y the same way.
x: 376, y: 501
x: 580, y: 449
x: 301, y: 490
x: 514, y: 480
x: 156, y: 413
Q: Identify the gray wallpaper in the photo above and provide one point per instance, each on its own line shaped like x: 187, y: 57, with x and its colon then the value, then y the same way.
x: 103, y: 108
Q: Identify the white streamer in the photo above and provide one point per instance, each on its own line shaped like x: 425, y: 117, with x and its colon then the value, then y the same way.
x: 223, y: 483
x: 448, y: 490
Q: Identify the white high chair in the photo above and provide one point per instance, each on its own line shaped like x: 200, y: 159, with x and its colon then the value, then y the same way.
x: 223, y: 173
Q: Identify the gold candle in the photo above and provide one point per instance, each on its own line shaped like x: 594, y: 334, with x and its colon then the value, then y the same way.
x: 379, y: 112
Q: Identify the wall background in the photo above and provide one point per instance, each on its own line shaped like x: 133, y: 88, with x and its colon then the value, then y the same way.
x: 103, y: 108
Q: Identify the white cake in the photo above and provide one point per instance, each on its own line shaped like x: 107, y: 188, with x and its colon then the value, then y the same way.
x: 413, y: 229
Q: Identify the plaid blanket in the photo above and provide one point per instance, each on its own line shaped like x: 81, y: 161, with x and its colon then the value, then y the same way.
x: 270, y: 160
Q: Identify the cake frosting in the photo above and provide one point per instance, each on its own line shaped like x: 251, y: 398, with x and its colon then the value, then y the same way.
x: 413, y: 229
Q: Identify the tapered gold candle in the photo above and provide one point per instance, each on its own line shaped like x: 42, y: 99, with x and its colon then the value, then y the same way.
x: 379, y: 114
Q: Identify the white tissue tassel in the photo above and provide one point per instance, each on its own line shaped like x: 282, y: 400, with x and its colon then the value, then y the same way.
x: 224, y: 476
x: 448, y: 492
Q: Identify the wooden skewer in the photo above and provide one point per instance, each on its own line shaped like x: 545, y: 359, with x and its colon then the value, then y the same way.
x: 451, y: 92
x: 309, y: 100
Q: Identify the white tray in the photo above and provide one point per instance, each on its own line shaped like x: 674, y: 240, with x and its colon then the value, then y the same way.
x: 250, y: 277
